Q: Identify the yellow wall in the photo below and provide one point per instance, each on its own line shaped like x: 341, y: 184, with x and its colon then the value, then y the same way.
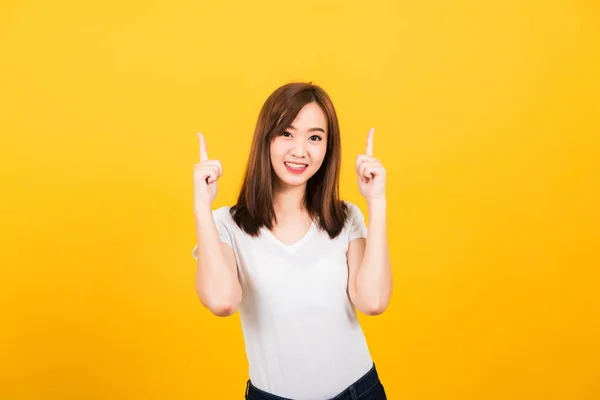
x: 486, y: 116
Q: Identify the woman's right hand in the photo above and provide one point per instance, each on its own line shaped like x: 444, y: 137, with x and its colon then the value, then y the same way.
x: 206, y: 174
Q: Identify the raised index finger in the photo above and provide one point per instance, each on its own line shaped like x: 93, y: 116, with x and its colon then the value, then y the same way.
x: 203, y: 153
x: 370, y: 142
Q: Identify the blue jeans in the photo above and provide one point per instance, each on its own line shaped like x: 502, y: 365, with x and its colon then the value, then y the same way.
x: 367, y: 387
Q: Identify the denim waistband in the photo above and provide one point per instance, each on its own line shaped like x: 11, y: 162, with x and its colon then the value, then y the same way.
x: 364, y: 383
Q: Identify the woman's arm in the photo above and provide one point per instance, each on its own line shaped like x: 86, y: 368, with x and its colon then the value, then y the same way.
x: 369, y: 270
x: 217, y: 281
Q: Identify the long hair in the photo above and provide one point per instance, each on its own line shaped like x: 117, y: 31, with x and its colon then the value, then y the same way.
x: 254, y: 208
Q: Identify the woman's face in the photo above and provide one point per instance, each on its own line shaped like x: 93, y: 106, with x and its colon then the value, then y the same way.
x: 297, y: 154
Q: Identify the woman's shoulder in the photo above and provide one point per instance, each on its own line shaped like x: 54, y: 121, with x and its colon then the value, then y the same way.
x: 223, y: 210
x: 355, y: 222
x: 348, y: 203
x: 354, y: 215
x: 223, y: 215
x: 352, y: 208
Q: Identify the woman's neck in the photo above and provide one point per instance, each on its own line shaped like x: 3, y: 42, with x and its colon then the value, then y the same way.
x: 289, y: 199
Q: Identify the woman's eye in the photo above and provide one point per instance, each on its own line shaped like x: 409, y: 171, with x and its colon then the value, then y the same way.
x: 315, y: 138
x: 286, y: 134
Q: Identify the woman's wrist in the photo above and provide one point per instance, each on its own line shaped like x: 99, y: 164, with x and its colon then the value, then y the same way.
x: 202, y: 210
x: 377, y: 203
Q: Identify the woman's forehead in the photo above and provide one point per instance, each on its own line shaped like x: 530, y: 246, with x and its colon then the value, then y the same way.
x: 311, y: 116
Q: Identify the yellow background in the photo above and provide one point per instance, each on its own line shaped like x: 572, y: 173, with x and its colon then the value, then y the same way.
x: 487, y: 119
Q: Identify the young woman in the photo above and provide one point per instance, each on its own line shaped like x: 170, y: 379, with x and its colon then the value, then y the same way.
x: 294, y: 258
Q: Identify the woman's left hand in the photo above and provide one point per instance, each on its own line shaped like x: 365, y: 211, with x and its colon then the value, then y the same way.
x: 371, y: 173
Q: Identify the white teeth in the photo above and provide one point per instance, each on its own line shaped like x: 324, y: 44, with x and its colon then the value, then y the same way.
x: 295, y: 166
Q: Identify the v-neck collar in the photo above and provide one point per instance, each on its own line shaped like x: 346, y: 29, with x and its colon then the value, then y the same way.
x: 297, y: 244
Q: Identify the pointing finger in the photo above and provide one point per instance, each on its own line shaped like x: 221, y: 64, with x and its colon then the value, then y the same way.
x: 370, y: 142
x: 203, y: 153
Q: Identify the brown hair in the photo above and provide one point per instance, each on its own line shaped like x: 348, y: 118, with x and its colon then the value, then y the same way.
x: 254, y: 208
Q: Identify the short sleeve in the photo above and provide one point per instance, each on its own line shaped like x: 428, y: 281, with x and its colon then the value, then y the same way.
x: 356, y: 223
x: 223, y: 223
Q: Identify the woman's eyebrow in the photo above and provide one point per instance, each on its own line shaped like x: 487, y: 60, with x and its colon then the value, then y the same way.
x: 316, y: 129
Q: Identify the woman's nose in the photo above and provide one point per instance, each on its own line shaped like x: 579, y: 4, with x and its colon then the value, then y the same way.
x: 299, y: 148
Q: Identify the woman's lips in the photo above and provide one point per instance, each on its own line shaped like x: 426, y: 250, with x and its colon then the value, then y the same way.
x: 295, y: 168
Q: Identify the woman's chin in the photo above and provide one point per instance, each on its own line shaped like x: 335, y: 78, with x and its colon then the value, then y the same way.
x: 292, y: 181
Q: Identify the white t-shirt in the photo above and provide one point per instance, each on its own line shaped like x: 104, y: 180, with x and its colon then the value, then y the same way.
x: 301, y: 333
